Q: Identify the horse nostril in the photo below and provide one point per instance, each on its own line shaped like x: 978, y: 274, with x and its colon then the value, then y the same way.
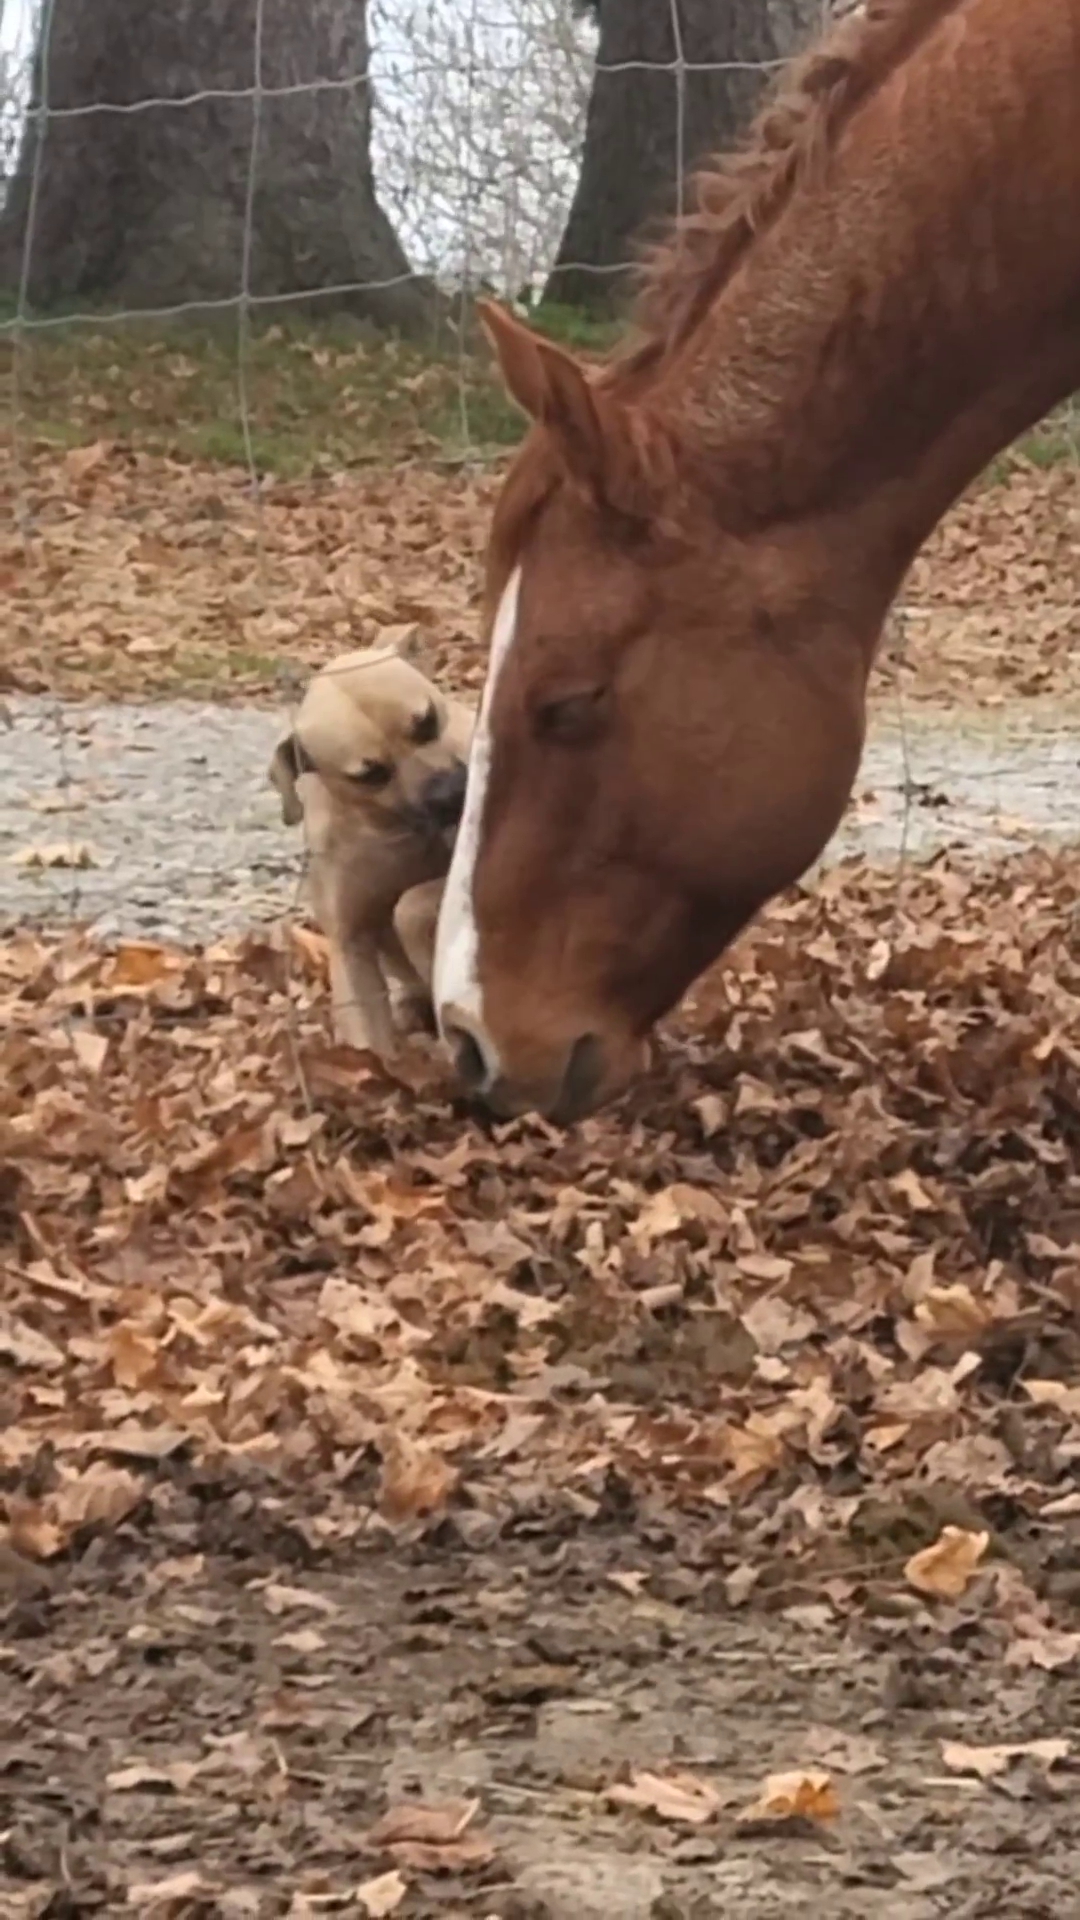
x: 469, y: 1063
x: 584, y: 1071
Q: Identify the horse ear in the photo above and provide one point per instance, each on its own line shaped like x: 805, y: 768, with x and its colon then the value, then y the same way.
x: 517, y: 351
x: 553, y: 389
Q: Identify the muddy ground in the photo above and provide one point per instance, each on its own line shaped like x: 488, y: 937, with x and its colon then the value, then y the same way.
x: 309, y: 1691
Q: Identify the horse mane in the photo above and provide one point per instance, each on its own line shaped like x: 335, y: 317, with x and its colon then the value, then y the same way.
x: 734, y: 197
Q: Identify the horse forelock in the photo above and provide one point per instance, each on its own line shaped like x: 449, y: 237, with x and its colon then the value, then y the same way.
x: 734, y: 198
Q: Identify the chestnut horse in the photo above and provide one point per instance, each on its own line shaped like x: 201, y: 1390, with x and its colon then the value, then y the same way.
x: 696, y: 546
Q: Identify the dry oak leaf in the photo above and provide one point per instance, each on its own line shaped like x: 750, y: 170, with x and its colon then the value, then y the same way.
x: 25, y: 1347
x: 801, y: 1795
x: 944, y: 1569
x: 31, y: 1533
x: 952, y: 1309
x: 82, y: 460
x: 438, y: 1825
x: 671, y: 1796
x: 415, y: 1481
x: 101, y: 1496
x: 173, y: 1895
x: 140, y: 963
x: 668, y: 1211
x: 382, y: 1895
x: 134, y: 1358
x: 753, y: 1450
x: 278, y: 1599
x: 304, y: 1641
x: 177, y: 1774
x: 990, y: 1761
x: 89, y: 1048
x: 433, y: 1839
x: 1045, y: 1647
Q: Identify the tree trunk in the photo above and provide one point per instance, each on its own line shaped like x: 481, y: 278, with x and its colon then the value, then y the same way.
x: 147, y: 208
x: 635, y: 127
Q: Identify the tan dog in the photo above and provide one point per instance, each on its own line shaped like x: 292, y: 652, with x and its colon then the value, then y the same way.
x: 375, y: 769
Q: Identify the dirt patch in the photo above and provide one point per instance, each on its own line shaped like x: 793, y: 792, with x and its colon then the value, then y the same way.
x: 159, y: 820
x: 210, y: 1714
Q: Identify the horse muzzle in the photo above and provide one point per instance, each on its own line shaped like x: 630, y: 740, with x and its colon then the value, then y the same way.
x: 579, y: 1078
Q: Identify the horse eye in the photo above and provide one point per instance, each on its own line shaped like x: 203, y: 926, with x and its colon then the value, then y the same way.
x: 373, y: 773
x: 574, y: 718
x: 425, y: 727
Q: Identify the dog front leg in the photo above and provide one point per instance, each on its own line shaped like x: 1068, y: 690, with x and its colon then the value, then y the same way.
x: 361, y: 1004
x: 409, y: 991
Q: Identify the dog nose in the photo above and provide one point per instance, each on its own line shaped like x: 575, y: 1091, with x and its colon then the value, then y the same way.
x: 443, y: 795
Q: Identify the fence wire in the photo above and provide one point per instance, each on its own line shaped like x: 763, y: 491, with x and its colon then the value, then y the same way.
x: 158, y: 819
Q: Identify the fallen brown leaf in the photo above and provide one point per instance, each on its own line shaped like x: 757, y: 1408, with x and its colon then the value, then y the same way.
x: 1048, y: 1648
x: 437, y: 1825
x: 25, y: 1347
x: 944, y: 1570
x: 415, y: 1481
x: 678, y: 1797
x: 280, y: 1599
x: 434, y: 1838
x: 383, y: 1895
x: 798, y: 1795
x: 988, y: 1762
x: 176, y: 1891
x: 178, y: 1775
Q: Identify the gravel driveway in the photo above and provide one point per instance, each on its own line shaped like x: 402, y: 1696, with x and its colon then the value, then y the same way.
x: 177, y: 833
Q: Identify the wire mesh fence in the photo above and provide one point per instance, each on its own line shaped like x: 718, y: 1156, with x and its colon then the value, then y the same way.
x: 208, y: 496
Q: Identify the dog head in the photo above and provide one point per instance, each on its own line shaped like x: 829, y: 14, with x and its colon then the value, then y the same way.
x: 383, y: 739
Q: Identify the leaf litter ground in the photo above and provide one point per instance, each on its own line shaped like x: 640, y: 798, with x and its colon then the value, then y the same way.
x: 676, y: 1516
x: 130, y: 573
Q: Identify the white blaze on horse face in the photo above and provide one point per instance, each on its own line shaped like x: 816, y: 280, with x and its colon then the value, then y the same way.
x: 457, y: 943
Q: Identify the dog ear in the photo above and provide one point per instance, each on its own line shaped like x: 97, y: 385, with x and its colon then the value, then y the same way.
x: 284, y: 769
x: 407, y: 643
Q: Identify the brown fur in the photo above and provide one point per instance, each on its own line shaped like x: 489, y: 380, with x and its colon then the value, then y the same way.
x: 851, y: 322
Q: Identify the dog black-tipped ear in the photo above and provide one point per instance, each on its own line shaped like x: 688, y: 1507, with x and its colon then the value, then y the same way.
x: 413, y: 645
x: 285, y: 769
x: 408, y: 643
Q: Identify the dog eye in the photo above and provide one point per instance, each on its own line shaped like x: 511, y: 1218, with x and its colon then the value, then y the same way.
x: 373, y: 773
x: 425, y: 727
x: 574, y: 718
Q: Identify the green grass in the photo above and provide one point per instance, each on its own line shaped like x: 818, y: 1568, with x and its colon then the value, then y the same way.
x: 320, y: 396
x: 1054, y: 442
x: 582, y: 332
x: 317, y: 397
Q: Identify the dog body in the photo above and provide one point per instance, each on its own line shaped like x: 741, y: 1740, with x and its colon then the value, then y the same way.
x: 375, y: 769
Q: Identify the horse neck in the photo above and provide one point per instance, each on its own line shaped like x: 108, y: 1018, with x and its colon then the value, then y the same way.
x: 915, y: 307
